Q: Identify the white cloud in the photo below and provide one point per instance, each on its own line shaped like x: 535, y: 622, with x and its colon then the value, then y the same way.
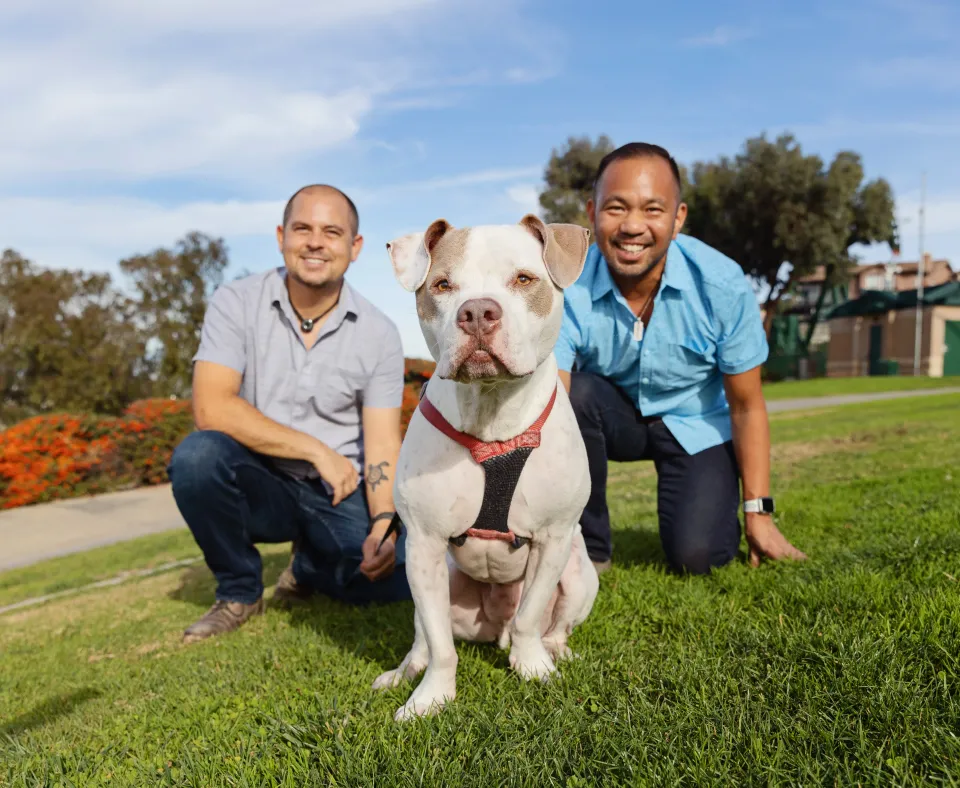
x: 129, y: 226
x: 123, y: 128
x: 721, y: 36
x: 941, y: 214
x: 234, y: 90
x: 216, y: 16
x: 927, y: 72
x: 525, y: 197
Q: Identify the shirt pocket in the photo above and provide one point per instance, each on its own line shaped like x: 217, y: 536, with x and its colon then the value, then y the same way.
x: 336, y: 391
x: 688, y: 361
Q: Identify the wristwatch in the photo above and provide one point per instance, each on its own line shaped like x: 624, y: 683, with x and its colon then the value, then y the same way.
x: 759, y: 506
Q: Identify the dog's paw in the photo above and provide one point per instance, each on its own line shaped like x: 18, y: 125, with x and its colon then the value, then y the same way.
x: 558, y: 649
x: 393, y: 678
x: 388, y: 680
x: 424, y: 702
x: 531, y: 660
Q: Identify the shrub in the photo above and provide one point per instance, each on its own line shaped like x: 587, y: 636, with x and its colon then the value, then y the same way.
x: 55, y: 456
x: 63, y: 455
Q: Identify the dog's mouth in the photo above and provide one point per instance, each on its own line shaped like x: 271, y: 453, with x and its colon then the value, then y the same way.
x: 475, y: 360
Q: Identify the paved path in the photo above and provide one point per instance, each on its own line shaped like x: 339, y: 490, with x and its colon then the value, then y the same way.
x: 33, y: 533
x: 806, y: 403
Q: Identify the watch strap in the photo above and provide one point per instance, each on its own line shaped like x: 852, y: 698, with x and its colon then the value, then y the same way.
x: 759, y: 506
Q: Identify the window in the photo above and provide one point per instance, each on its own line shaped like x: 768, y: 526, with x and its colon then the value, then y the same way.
x: 875, y: 282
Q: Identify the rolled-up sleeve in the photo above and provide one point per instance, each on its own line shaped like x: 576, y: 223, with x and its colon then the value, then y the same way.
x: 384, y: 388
x: 222, y: 334
x: 741, y: 342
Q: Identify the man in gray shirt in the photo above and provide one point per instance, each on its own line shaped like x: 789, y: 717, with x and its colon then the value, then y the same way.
x: 297, y: 389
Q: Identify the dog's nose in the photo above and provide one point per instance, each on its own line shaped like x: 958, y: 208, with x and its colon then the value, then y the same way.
x: 479, y: 316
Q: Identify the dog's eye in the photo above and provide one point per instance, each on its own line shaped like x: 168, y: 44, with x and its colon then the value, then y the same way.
x: 441, y: 285
x: 524, y: 279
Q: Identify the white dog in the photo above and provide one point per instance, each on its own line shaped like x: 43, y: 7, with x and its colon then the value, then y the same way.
x: 492, y: 477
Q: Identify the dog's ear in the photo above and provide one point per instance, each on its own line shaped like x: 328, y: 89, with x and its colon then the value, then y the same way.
x: 410, y: 254
x: 564, y: 248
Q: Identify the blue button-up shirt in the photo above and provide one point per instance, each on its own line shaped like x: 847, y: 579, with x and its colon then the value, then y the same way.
x: 705, y: 323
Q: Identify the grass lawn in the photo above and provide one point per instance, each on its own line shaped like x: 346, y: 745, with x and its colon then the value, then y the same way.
x: 841, y: 670
x: 825, y: 387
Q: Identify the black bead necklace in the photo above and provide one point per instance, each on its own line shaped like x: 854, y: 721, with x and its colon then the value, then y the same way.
x: 307, y: 323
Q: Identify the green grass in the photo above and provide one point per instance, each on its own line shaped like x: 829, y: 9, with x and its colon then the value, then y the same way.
x: 825, y: 387
x: 841, y: 670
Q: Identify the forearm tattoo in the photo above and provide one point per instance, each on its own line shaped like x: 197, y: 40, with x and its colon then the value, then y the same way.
x: 377, y: 474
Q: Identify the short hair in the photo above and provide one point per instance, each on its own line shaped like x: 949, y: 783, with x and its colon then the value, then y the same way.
x: 354, y: 215
x: 638, y: 150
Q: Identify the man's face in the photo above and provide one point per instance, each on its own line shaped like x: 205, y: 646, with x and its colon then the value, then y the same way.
x: 318, y: 243
x: 635, y: 214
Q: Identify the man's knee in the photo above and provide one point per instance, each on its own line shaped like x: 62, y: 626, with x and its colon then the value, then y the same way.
x: 587, y: 391
x: 200, y: 458
x: 696, y: 557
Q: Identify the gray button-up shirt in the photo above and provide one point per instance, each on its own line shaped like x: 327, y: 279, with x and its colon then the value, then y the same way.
x: 356, y: 362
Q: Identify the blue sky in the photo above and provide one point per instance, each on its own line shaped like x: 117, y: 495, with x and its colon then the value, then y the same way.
x: 127, y: 125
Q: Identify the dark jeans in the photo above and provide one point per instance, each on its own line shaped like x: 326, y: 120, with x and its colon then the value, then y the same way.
x: 698, y: 495
x: 232, y: 498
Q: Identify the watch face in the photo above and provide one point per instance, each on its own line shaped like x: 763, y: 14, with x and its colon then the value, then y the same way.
x: 766, y: 505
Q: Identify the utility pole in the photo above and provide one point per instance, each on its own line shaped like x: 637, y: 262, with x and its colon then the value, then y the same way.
x: 918, y: 332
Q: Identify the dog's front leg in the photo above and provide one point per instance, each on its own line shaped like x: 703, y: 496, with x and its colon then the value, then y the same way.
x: 429, y: 581
x: 527, y: 653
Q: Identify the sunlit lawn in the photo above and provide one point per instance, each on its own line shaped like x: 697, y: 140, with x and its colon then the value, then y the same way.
x: 840, y: 670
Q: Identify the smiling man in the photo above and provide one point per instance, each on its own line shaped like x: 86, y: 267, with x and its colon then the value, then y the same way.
x: 297, y: 388
x: 660, y: 350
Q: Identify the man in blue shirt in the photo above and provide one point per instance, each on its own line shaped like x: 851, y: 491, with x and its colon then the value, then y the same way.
x: 660, y: 350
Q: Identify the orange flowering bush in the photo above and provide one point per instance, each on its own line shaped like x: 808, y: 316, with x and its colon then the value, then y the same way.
x: 65, y: 455
x: 61, y: 455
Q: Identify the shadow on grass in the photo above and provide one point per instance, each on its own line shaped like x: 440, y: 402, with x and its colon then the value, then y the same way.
x: 198, y: 585
x: 48, y: 711
x: 639, y: 546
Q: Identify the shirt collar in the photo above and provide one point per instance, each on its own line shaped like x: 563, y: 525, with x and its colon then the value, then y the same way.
x: 676, y: 273
x: 280, y: 298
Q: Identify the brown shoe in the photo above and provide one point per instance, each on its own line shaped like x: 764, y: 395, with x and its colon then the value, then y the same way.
x: 222, y: 617
x: 288, y: 591
x: 602, y: 566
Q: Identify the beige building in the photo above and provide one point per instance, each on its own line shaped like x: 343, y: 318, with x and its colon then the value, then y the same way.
x: 868, y: 333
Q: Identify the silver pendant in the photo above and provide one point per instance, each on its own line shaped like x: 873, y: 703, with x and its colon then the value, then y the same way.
x: 638, y: 329
x: 306, y: 325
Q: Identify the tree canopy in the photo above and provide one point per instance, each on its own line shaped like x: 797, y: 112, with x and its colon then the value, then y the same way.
x: 569, y: 179
x: 73, y: 340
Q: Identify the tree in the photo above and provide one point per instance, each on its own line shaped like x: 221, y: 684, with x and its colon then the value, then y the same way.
x: 569, y: 179
x: 772, y: 208
x: 174, y: 287
x: 67, y: 342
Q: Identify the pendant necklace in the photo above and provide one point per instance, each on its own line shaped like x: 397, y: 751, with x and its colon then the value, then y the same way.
x: 638, y: 324
x: 307, y: 323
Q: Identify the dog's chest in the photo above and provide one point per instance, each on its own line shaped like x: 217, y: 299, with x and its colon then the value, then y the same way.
x: 440, y: 488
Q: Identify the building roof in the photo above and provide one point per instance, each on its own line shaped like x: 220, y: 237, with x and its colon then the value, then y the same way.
x: 902, y: 266
x: 873, y: 302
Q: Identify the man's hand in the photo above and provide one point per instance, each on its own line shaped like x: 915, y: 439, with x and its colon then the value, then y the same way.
x: 337, y: 471
x: 377, y: 565
x: 765, y: 539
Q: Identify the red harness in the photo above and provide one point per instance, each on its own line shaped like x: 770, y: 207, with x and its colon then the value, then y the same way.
x: 502, y: 462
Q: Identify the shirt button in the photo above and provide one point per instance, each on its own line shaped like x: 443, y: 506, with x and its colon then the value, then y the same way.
x: 645, y: 380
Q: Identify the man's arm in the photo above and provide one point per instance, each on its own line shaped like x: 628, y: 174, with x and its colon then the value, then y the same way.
x: 382, y: 402
x: 381, y: 448
x: 218, y: 406
x: 751, y: 442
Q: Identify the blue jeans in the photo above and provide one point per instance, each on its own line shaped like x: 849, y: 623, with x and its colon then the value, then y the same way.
x: 232, y: 498
x: 698, y: 495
